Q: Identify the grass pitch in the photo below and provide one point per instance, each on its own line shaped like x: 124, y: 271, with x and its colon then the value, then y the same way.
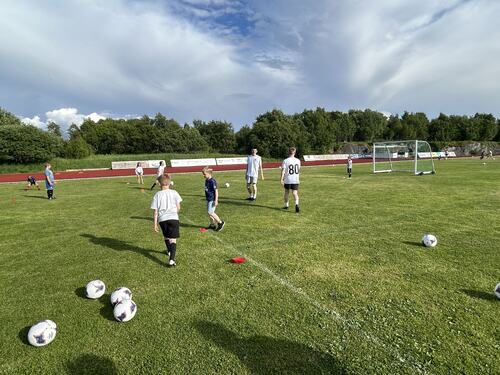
x: 344, y: 287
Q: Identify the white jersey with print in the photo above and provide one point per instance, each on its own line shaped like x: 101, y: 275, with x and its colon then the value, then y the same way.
x: 160, y: 170
x: 166, y: 201
x: 291, y: 166
x: 349, y: 163
x: 139, y: 171
x: 254, y: 163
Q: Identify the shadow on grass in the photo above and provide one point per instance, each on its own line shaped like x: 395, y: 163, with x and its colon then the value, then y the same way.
x: 413, y: 243
x: 90, y: 364
x: 36, y: 196
x: 23, y: 335
x: 480, y: 295
x: 119, y: 245
x: 246, y: 203
x: 184, y: 225
x: 81, y: 292
x: 106, y: 309
x: 268, y: 355
x: 141, y: 218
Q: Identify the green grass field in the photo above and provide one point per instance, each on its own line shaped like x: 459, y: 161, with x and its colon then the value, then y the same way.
x: 344, y: 287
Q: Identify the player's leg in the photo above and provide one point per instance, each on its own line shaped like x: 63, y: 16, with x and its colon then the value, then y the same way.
x: 285, y: 197
x: 254, y: 185
x: 249, y: 188
x: 295, y: 193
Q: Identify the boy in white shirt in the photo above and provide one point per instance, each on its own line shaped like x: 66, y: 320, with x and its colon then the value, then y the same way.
x: 139, y: 172
x: 290, y: 170
x: 166, y: 205
x: 159, y: 173
x: 349, y: 166
x: 254, y: 164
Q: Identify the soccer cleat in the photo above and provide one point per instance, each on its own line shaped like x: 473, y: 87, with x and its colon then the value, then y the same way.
x: 212, y: 226
x: 249, y: 198
x: 285, y: 208
x: 171, y: 263
x: 297, y: 209
x: 220, y: 226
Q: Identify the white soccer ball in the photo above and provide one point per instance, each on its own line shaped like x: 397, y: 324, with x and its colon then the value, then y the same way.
x: 227, y: 184
x: 95, y: 289
x: 171, y: 183
x: 120, y: 294
x: 42, y: 333
x: 497, y: 290
x: 125, y: 310
x: 429, y: 240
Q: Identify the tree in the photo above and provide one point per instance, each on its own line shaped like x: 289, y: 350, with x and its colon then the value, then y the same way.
x: 346, y: 127
x: 77, y: 148
x: 370, y: 125
x: 445, y: 128
x: 485, y: 126
x: 8, y: 119
x: 394, y: 129
x: 55, y: 129
x: 218, y: 134
x: 415, y: 125
x: 322, y: 129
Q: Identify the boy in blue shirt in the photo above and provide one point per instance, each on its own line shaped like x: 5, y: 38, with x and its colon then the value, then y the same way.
x: 212, y: 196
x: 49, y: 181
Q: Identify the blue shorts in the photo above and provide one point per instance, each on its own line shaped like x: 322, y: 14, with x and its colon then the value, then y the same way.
x: 211, y: 207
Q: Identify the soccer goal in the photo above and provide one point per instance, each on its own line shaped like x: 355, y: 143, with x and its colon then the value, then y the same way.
x: 403, y: 156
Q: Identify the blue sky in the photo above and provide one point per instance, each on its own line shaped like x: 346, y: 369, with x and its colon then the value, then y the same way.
x: 232, y: 60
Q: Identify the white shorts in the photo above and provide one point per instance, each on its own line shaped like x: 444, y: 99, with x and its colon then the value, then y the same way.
x: 252, y: 180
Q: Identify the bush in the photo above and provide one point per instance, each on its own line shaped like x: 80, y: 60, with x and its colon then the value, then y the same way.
x: 77, y: 148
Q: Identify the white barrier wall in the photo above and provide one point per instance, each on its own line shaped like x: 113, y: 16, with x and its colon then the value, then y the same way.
x: 133, y: 163
x: 325, y: 157
x: 451, y: 154
x: 231, y: 161
x: 192, y: 162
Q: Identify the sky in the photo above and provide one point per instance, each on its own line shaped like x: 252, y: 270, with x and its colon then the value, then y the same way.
x: 65, y: 61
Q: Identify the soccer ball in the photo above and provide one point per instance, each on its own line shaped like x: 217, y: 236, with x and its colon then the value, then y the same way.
x: 497, y: 290
x: 125, y: 310
x: 429, y: 240
x: 120, y: 294
x: 95, y: 289
x: 171, y: 183
x: 227, y: 184
x: 42, y: 333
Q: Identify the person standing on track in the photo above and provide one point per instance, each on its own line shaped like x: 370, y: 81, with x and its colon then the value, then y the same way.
x: 290, y: 170
x: 254, y: 164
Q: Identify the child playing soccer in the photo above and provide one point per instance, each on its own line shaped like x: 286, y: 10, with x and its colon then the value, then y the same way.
x: 212, y: 196
x: 139, y: 172
x: 290, y: 170
x: 159, y: 173
x: 166, y: 205
x: 349, y: 166
x: 31, y: 183
x: 49, y: 181
x: 254, y: 164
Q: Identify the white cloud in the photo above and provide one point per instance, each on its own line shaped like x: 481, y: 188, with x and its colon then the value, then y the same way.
x: 64, y: 117
x: 96, y: 117
x: 35, y: 121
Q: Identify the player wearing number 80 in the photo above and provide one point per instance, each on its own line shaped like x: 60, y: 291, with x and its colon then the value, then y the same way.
x: 290, y: 170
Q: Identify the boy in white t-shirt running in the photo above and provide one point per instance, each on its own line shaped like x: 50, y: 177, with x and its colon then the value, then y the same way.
x: 166, y: 205
x: 254, y: 164
x: 159, y: 173
x: 290, y: 170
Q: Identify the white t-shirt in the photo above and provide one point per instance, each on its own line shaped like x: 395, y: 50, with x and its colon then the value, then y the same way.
x: 254, y: 163
x: 291, y: 166
x: 349, y: 163
x: 139, y: 171
x: 160, y: 170
x: 165, y: 201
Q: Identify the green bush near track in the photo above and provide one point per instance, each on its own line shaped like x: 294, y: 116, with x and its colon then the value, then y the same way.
x: 343, y: 287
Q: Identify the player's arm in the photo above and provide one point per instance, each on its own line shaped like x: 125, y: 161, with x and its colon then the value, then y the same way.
x: 155, y: 220
x: 261, y: 170
x: 216, y: 202
x: 48, y: 180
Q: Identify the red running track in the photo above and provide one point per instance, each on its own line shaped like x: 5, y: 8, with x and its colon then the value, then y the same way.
x: 69, y: 175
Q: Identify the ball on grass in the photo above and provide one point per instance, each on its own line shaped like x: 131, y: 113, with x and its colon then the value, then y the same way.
x: 429, y: 240
x: 125, y: 310
x: 120, y: 294
x: 42, y: 333
x: 497, y: 290
x: 227, y: 184
x: 95, y: 289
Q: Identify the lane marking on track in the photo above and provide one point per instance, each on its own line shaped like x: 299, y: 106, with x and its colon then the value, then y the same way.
x: 409, y: 361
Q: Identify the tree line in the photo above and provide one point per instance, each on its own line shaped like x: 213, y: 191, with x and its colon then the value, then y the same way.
x: 311, y: 131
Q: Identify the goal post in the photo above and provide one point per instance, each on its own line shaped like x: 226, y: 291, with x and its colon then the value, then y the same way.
x: 403, y: 156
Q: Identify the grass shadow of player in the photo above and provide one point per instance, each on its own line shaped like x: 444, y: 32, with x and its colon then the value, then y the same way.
x: 120, y: 245
x: 413, y: 243
x: 246, y: 203
x: 23, y: 335
x: 480, y: 295
x: 90, y: 364
x: 264, y: 355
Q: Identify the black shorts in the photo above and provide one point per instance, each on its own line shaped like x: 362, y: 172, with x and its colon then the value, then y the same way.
x: 349, y: 170
x: 170, y: 228
x: 292, y: 186
x: 31, y: 181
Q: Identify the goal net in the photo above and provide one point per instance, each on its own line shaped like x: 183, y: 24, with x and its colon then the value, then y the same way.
x: 403, y: 156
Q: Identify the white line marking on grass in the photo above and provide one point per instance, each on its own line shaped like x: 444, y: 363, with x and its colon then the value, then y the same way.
x: 349, y: 323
